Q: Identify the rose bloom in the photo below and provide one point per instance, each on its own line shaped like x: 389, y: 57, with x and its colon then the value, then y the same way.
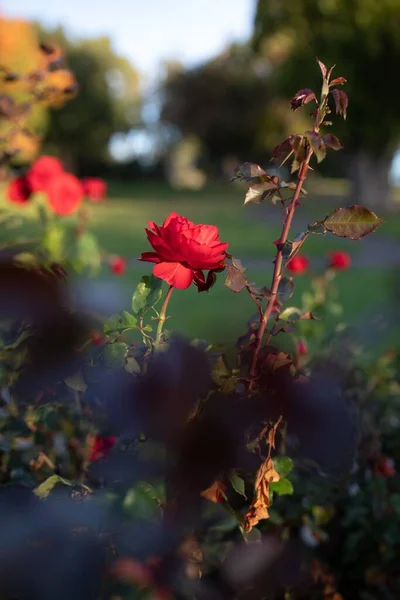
x: 102, y: 446
x: 42, y: 172
x: 19, y: 190
x: 118, y: 265
x: 65, y: 193
x: 183, y: 250
x: 339, y: 260
x: 298, y: 264
x: 95, y: 189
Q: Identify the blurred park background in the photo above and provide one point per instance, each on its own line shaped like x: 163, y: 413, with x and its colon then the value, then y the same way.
x: 172, y: 96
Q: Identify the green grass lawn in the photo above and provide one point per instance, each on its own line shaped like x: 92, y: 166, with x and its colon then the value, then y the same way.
x: 220, y: 315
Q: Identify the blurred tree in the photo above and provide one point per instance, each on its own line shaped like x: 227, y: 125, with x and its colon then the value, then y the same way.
x: 227, y: 104
x: 108, y: 101
x: 362, y: 38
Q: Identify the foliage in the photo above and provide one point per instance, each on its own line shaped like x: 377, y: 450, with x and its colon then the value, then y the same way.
x: 107, y: 103
x: 167, y: 468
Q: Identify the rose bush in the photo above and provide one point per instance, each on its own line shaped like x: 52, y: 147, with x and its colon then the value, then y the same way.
x: 169, y: 464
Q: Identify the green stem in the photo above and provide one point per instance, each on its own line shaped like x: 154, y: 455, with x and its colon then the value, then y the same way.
x: 163, y: 315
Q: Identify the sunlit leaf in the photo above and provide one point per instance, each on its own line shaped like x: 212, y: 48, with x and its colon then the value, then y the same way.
x: 352, y: 222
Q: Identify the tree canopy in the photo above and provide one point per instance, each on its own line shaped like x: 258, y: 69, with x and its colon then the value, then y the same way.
x: 108, y: 101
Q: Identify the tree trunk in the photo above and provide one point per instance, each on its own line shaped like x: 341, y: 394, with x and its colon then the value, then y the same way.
x: 369, y: 177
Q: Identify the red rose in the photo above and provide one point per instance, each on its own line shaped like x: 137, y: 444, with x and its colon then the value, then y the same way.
x: 118, y: 265
x: 65, y: 193
x: 42, y: 172
x: 298, y: 264
x: 19, y: 190
x: 102, y: 446
x: 339, y: 260
x: 95, y: 189
x: 183, y: 250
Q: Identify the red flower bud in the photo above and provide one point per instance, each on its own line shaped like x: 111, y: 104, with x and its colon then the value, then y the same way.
x: 19, y: 190
x: 118, y: 265
x: 339, y: 260
x: 298, y: 264
x: 301, y: 348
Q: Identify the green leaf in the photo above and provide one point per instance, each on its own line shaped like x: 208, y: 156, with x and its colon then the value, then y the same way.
x: 45, y: 488
x: 283, y: 465
x: 285, y: 289
x: 317, y: 144
x: 238, y: 484
x: 87, y: 253
x: 283, y: 487
x: 132, y: 365
x: 114, y: 356
x: 118, y: 323
x: 53, y: 243
x: 76, y: 382
x: 352, y: 222
x: 147, y: 294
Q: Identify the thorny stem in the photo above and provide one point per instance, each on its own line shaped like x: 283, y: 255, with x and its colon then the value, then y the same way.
x: 162, y: 317
x: 278, y: 264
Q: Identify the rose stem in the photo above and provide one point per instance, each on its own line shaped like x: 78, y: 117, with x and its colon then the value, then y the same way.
x: 162, y: 317
x: 278, y: 264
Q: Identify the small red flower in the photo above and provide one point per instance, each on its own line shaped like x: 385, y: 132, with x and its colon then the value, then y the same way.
x: 118, y: 265
x: 19, y: 190
x: 183, y: 251
x: 301, y: 348
x: 102, y: 446
x: 385, y: 467
x: 339, y: 260
x: 95, y: 189
x: 65, y: 193
x: 42, y: 172
x: 298, y: 264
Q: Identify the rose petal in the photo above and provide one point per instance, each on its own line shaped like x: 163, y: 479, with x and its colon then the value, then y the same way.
x: 174, y: 274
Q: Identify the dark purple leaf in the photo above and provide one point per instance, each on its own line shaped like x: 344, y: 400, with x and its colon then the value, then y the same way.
x: 302, y: 97
x: 331, y: 141
x: 341, y: 102
x: 352, y: 222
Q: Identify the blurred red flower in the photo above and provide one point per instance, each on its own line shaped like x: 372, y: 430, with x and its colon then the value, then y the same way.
x: 42, y: 172
x: 102, y: 446
x: 19, y: 190
x: 339, y: 260
x: 65, y: 193
x: 118, y: 265
x: 298, y: 264
x: 95, y: 189
x: 183, y: 250
x: 301, y: 348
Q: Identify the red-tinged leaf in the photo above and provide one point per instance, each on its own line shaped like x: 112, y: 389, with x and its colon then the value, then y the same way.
x: 323, y: 68
x: 354, y: 222
x: 331, y: 141
x: 260, y: 191
x: 317, y: 144
x: 341, y: 102
x: 251, y: 173
x: 302, y: 97
x: 236, y: 279
x: 338, y: 81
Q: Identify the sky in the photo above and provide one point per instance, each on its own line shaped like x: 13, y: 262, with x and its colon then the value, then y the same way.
x: 147, y: 31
